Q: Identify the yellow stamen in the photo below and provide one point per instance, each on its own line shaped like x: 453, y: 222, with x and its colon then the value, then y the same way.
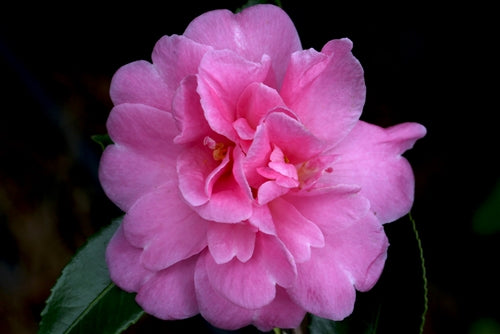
x: 219, y: 152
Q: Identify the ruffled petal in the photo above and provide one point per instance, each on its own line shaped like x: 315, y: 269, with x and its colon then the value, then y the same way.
x: 188, y: 113
x: 256, y: 101
x: 282, y: 312
x: 145, y: 129
x: 222, y: 77
x: 253, y: 284
x: 170, y: 293
x: 297, y: 143
x: 248, y: 34
x: 165, y: 227
x: 175, y: 58
x: 355, y: 238
x: 226, y: 241
x: 371, y: 158
x: 216, y: 309
x: 123, y: 261
x: 323, y: 287
x: 140, y: 82
x: 127, y: 175
x: 298, y: 233
x: 326, y: 90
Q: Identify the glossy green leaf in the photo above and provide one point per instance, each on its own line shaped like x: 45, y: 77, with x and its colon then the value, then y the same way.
x: 102, y: 140
x: 398, y: 302
x: 84, y: 300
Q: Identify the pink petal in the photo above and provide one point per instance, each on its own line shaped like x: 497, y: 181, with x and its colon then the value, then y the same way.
x: 139, y: 82
x: 355, y: 239
x: 145, y: 129
x: 226, y: 241
x: 296, y: 142
x: 262, y: 219
x: 194, y: 166
x: 170, y: 293
x: 127, y: 175
x: 256, y: 101
x: 282, y: 312
x: 159, y: 222
x: 269, y: 191
x: 326, y: 90
x: 229, y: 203
x: 222, y: 77
x: 247, y: 34
x: 188, y: 113
x: 216, y: 309
x: 257, y: 156
x: 253, y: 284
x: 371, y: 158
x: 298, y: 233
x: 323, y: 287
x: 175, y: 58
x: 123, y: 261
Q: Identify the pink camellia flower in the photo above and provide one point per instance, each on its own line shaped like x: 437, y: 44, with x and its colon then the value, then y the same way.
x: 253, y: 193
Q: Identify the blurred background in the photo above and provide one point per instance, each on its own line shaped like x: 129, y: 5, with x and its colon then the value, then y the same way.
x: 422, y: 64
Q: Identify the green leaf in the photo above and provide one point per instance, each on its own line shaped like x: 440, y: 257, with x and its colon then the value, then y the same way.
x: 84, y: 300
x: 102, y: 140
x: 398, y: 302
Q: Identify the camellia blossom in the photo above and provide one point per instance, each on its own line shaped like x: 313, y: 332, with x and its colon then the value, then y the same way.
x: 252, y: 191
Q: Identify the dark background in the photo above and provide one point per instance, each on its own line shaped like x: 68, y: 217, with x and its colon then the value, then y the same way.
x: 423, y: 63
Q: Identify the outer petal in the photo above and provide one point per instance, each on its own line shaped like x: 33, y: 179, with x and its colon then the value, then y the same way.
x: 253, y: 284
x: 371, y: 158
x: 126, y: 175
x: 170, y: 293
x: 145, y: 129
x: 140, y: 82
x: 123, y: 261
x: 247, y: 34
x: 354, y: 238
x: 175, y: 58
x: 326, y: 90
x: 143, y: 157
x: 167, y: 229
x: 216, y: 309
x: 323, y: 287
x: 282, y: 312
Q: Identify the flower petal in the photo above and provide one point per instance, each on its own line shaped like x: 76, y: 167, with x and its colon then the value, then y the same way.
x: 167, y: 229
x: 248, y: 34
x: 326, y: 90
x: 296, y: 142
x: 354, y: 237
x: 253, y: 284
x: 298, y: 233
x: 188, y: 113
x: 371, y: 158
x: 140, y: 82
x: 125, y: 268
x: 256, y: 101
x: 170, y: 293
x: 175, y: 58
x: 215, y: 308
x: 226, y: 241
x: 127, y: 175
x: 222, y: 77
x: 282, y: 312
x: 145, y: 129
